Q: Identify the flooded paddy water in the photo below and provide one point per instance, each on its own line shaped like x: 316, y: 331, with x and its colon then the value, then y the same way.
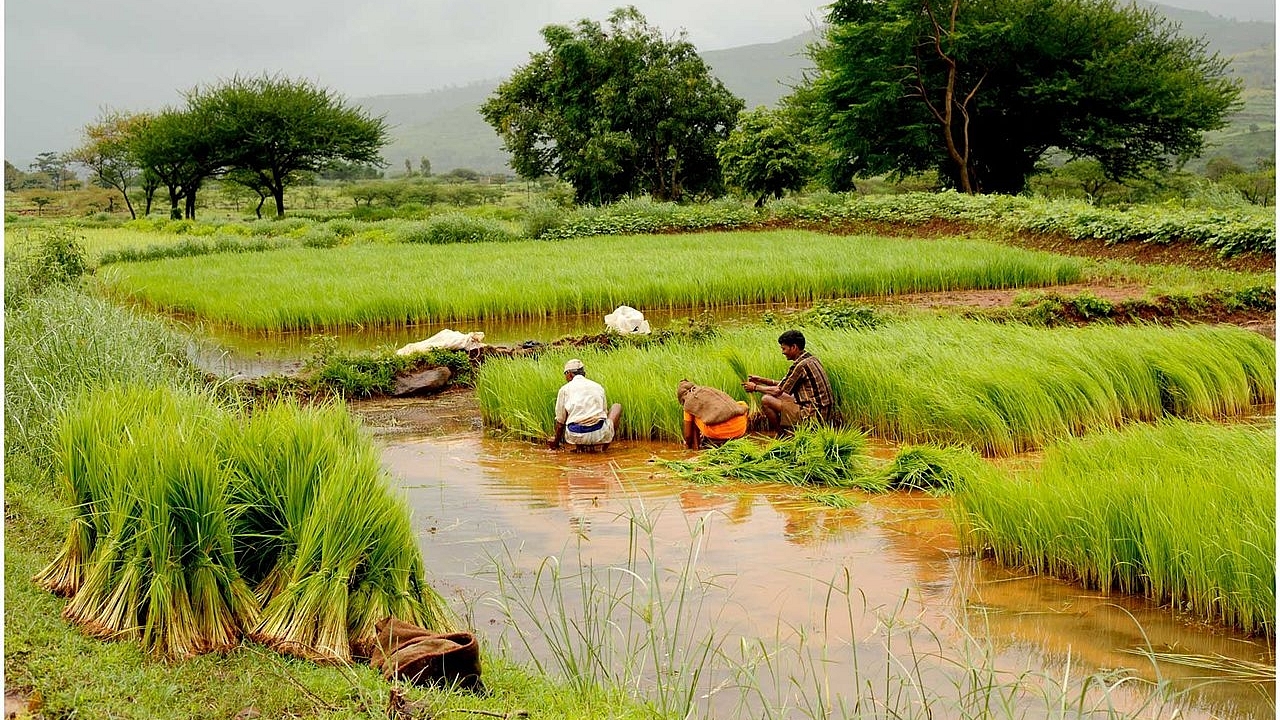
x: 807, y: 604
x: 808, y: 607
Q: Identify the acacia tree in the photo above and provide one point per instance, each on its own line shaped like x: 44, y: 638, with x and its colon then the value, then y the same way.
x: 981, y: 90
x: 766, y: 155
x: 275, y: 128
x: 615, y: 111
x: 175, y: 149
x: 108, y: 154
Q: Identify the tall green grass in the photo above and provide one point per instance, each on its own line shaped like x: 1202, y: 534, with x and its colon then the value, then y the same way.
x: 999, y: 389
x: 61, y: 342
x: 405, y: 284
x: 1181, y: 512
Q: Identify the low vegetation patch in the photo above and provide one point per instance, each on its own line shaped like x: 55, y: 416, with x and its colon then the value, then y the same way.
x: 1128, y: 511
x: 1052, y: 309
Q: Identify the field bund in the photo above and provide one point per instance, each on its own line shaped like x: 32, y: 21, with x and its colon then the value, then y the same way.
x: 376, y: 284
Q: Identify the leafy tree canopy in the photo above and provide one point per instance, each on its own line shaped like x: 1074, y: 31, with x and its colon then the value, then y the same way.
x: 765, y: 155
x: 107, y: 152
x: 274, y: 128
x: 615, y: 111
x: 982, y: 89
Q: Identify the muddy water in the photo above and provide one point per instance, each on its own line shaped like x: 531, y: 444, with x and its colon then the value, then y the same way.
x: 837, y: 595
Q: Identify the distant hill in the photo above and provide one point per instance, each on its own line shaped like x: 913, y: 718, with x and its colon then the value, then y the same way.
x: 445, y: 125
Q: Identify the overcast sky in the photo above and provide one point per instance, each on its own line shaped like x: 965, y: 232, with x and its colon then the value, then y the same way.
x: 66, y: 60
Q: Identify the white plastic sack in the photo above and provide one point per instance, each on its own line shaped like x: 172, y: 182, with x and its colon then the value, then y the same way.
x: 627, y: 320
x: 445, y: 340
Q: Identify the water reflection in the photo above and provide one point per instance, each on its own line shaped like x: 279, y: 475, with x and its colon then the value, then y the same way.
x: 775, y: 565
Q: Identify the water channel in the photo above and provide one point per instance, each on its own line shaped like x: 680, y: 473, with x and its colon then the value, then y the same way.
x: 808, y: 607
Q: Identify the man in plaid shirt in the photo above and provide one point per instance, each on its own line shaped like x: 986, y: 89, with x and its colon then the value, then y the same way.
x: 803, y: 395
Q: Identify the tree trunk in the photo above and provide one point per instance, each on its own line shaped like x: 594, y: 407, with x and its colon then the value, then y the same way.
x: 174, y: 212
x: 278, y: 193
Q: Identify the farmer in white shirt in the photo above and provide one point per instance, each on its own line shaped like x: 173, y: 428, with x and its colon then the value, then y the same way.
x: 581, y: 417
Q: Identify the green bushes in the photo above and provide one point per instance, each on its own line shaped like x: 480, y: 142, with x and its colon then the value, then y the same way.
x: 630, y: 217
x: 42, y: 258
x: 1128, y: 511
x: 191, y: 247
x: 456, y: 228
x: 1231, y: 232
x: 996, y: 389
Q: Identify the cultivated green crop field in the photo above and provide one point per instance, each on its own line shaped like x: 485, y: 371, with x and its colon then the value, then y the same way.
x: 1129, y: 511
x: 999, y: 389
x: 316, y: 289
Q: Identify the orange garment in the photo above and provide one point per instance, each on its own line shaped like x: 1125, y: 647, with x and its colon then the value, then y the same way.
x: 734, y: 427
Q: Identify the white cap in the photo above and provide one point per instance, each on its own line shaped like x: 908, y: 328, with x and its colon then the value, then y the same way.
x: 572, y: 365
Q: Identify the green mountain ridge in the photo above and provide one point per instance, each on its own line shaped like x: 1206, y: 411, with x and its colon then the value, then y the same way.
x: 445, y: 126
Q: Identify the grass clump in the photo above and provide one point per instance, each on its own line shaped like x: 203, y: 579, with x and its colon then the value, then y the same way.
x: 1127, y: 511
x: 929, y: 468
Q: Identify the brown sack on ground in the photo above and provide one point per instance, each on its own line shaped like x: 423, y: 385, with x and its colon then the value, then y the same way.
x: 407, y: 652
x: 710, y: 405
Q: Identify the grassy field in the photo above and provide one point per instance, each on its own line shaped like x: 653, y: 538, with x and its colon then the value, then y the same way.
x: 404, y: 284
x: 997, y: 389
x: 1184, y: 513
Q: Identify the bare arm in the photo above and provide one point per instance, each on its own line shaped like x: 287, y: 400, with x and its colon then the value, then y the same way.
x: 554, y: 443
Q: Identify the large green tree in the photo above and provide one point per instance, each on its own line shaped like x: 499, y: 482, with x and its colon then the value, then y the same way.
x: 981, y: 90
x: 276, y: 128
x: 175, y: 149
x: 615, y: 111
x: 766, y: 155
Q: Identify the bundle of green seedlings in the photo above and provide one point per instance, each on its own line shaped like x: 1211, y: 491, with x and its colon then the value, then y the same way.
x: 812, y: 455
x: 180, y: 508
x: 998, y: 389
x: 1181, y: 512
x: 329, y: 548
x: 149, y: 555
x: 829, y: 457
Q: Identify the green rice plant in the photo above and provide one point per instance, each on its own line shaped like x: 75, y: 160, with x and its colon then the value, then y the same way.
x: 61, y: 343
x: 814, y: 455
x: 998, y: 389
x: 929, y: 468
x: 381, y: 284
x: 1181, y: 512
x: 332, y: 548
x: 151, y: 489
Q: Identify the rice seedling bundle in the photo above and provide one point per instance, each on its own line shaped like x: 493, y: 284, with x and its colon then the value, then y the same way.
x: 999, y: 389
x: 929, y: 468
x: 171, y: 491
x: 149, y: 554
x: 332, y: 548
x: 1181, y: 512
x: 810, y: 456
x: 378, y: 284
